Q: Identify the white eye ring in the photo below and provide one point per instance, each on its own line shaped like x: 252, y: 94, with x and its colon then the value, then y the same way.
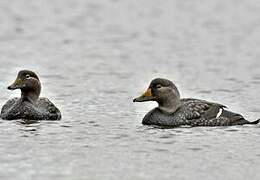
x: 158, y: 86
x: 27, y: 76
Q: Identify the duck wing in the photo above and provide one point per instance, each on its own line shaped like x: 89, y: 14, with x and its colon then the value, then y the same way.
x: 9, y: 105
x: 195, y: 109
x: 49, y: 110
x: 204, y: 113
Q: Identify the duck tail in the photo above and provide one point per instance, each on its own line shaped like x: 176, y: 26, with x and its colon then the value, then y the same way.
x: 255, y: 122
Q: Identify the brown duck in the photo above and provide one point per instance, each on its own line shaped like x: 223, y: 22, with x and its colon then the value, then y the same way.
x: 173, y: 111
x: 29, y: 105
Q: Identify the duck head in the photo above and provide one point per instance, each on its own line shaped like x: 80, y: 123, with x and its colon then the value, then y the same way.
x: 164, y: 92
x: 29, y: 84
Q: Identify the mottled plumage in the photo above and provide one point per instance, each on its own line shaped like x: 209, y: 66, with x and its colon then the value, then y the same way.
x: 29, y: 106
x: 192, y: 112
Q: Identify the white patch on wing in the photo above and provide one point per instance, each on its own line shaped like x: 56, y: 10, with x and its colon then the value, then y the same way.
x: 219, y: 113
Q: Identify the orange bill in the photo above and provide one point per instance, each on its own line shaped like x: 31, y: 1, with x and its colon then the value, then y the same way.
x: 147, y: 96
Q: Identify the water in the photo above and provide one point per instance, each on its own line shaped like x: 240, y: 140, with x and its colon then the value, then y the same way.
x: 94, y: 57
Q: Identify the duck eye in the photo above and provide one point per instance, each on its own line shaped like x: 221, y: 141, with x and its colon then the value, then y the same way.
x: 27, y: 76
x: 158, y: 86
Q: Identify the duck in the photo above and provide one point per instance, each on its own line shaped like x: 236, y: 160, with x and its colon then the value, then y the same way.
x: 172, y: 111
x: 29, y: 106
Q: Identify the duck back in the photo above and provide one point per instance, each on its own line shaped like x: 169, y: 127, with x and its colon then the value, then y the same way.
x: 194, y: 112
x: 17, y: 108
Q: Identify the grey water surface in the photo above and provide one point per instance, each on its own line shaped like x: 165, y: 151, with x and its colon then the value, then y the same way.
x: 94, y: 56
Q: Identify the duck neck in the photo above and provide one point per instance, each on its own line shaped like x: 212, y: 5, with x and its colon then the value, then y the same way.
x: 170, y: 105
x: 31, y: 96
